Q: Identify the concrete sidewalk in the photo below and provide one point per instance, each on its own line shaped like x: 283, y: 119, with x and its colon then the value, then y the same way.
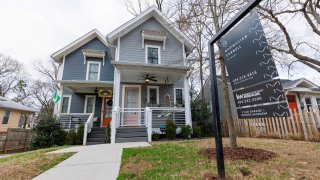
x: 91, y: 162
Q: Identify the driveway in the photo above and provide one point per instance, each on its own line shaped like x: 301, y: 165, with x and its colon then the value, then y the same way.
x: 90, y: 162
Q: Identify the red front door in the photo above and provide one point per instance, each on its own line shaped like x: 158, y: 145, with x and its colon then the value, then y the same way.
x: 292, y: 101
x: 107, y: 110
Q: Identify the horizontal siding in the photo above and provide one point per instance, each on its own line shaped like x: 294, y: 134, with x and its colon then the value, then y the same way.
x: 78, y: 102
x: 131, y: 45
x: 75, y: 69
x: 13, y: 121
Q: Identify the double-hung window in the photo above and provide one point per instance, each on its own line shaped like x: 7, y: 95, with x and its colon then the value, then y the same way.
x: 152, y: 54
x: 93, y: 70
x: 89, y: 104
x: 308, y: 103
x: 178, y: 97
x: 153, y: 95
x: 66, y: 102
x: 6, y: 117
x: 318, y: 103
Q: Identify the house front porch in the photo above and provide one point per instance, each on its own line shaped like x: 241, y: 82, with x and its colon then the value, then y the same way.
x: 145, y: 96
x: 80, y: 99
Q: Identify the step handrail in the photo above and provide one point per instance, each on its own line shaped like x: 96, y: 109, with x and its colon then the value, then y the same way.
x: 87, y: 128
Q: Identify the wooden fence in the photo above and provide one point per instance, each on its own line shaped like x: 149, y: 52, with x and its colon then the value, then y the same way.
x: 15, y: 140
x: 302, y: 125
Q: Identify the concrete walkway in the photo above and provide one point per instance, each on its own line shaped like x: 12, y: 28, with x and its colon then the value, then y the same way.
x: 91, y: 162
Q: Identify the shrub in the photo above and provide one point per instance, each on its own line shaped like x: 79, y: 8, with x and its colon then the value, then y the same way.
x: 79, y: 134
x: 170, y: 129
x: 71, y: 137
x: 196, y: 131
x: 48, y: 132
x: 155, y: 136
x: 186, y: 131
x: 108, y: 133
x: 201, y: 116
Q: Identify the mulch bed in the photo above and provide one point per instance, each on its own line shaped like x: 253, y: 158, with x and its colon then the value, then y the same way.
x: 241, y: 153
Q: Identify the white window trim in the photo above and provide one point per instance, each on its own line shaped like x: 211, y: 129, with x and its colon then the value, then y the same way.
x: 69, y: 103
x: 174, y: 93
x: 99, y: 69
x: 159, y: 53
x: 86, y: 101
x: 148, y: 93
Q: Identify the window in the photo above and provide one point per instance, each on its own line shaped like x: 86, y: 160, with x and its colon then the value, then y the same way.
x: 93, y: 71
x: 308, y: 103
x: 89, y: 104
x: 153, y: 54
x: 153, y: 95
x: 178, y: 97
x: 6, y: 117
x: 318, y: 103
x: 66, y: 102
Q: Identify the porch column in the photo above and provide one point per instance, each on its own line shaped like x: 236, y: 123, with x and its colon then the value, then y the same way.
x: 187, y: 101
x: 116, y: 104
x: 59, y: 105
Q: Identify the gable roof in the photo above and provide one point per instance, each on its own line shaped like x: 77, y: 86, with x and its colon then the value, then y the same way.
x: 9, y: 104
x: 287, y: 84
x: 144, y: 16
x: 58, y: 56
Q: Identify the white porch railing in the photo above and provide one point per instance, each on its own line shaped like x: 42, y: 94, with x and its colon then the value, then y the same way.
x: 87, y: 128
x: 150, y: 117
x: 130, y: 117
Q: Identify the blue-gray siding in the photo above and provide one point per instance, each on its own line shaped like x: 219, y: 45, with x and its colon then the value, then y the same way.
x: 131, y: 45
x: 75, y: 69
x: 78, y: 102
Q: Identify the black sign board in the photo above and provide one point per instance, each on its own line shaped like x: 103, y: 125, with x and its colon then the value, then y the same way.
x: 272, y: 110
x: 268, y: 92
x: 246, y: 53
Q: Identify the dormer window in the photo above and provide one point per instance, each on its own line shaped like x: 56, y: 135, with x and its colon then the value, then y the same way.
x: 153, y: 54
x: 93, y: 70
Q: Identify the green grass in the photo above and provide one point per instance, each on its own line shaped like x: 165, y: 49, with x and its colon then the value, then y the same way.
x: 181, y: 160
x: 30, y: 164
x: 165, y: 161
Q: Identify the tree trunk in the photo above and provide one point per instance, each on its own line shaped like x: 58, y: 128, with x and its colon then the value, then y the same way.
x: 227, y: 106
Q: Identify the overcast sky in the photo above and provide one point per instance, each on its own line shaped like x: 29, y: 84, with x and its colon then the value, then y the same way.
x: 32, y: 30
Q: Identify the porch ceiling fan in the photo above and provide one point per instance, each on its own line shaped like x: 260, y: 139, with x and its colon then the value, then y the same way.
x: 147, y: 78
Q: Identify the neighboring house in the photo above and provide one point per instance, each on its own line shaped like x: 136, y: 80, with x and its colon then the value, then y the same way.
x: 11, y: 113
x: 142, y: 62
x: 300, y: 93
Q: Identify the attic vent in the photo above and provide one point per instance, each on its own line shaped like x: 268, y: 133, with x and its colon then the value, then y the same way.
x: 154, y: 36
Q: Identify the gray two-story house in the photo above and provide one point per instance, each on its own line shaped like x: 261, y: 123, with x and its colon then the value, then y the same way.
x: 134, y: 78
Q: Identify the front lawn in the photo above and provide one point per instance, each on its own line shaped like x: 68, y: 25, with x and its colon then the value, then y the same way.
x: 182, y: 160
x: 30, y: 164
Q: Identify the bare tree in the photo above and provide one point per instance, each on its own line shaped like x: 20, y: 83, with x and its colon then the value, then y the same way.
x: 279, y: 16
x: 221, y: 11
x: 50, y: 72
x: 10, y: 74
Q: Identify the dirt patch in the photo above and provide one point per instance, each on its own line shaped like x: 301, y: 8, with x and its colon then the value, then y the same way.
x: 241, y: 153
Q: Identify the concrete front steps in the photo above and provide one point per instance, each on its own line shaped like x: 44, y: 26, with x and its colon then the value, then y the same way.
x: 97, y: 136
x: 131, y: 134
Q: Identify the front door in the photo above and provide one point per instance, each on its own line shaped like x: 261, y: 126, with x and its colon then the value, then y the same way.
x: 131, y: 106
x: 107, y: 110
x: 292, y: 102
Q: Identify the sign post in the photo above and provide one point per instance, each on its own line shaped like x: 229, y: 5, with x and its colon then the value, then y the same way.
x: 215, y: 102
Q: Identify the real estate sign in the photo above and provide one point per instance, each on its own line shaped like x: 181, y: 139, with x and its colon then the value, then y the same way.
x: 251, y: 70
